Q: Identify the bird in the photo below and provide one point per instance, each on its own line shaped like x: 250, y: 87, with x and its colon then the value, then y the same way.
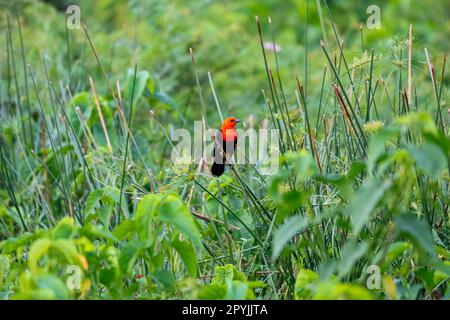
x: 226, y: 141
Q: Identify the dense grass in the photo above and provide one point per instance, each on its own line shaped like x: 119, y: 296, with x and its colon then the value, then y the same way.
x: 86, y: 179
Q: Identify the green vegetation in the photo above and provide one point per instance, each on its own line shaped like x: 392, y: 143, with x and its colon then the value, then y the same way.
x: 92, y: 207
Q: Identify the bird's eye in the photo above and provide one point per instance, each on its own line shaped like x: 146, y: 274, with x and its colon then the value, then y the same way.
x: 232, y: 120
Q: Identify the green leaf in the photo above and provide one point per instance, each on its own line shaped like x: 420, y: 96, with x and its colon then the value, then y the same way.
x: 55, y: 285
x: 418, y: 231
x: 223, y: 274
x: 68, y: 249
x: 237, y: 275
x: 107, y: 276
x: 430, y: 159
x: 165, y: 99
x: 350, y: 254
x: 165, y: 278
x: 303, y: 283
x: 236, y: 290
x: 329, y: 290
x: 301, y: 162
x: 442, y: 267
x: 289, y: 229
x: 211, y: 292
x: 92, y: 201
x: 291, y: 200
x: 43, y: 246
x: 173, y: 211
x: 112, y: 193
x: 144, y: 216
x: 377, y: 145
x: 124, y: 229
x: 64, y: 229
x: 188, y: 255
x: 128, y: 256
x: 141, y: 83
x: 427, y: 277
x: 13, y: 244
x: 365, y: 201
x: 97, y: 232
x: 443, y: 252
x: 440, y: 140
x: 39, y: 248
x: 395, y: 250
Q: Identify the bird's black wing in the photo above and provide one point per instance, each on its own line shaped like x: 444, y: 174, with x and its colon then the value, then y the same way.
x: 218, y: 166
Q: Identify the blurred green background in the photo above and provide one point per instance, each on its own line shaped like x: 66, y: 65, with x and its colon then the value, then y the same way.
x: 223, y: 34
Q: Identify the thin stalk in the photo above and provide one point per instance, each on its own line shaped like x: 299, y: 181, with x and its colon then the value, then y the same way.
x: 369, y: 90
x: 100, y: 114
x: 14, y: 73
x: 127, y: 141
x: 27, y: 93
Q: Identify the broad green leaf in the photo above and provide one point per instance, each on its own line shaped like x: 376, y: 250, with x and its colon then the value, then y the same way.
x: 427, y: 277
x: 330, y: 290
x: 141, y: 83
x: 64, y: 229
x: 377, y: 145
x: 107, y: 276
x: 174, y: 212
x: 211, y: 292
x: 289, y: 229
x: 55, y: 285
x: 124, y: 229
x: 442, y: 267
x: 93, y: 231
x: 13, y: 244
x: 42, y: 246
x: 365, y: 201
x: 418, y: 231
x: 301, y: 162
x: 236, y: 290
x: 223, y: 274
x: 237, y: 275
x: 429, y: 158
x: 188, y: 255
x: 92, y: 201
x: 443, y: 252
x: 165, y: 99
x: 350, y: 254
x: 113, y: 193
x: 291, y: 200
x: 128, y: 256
x: 303, y: 283
x: 165, y: 278
x: 256, y: 284
x: 440, y: 140
x: 68, y: 249
x: 145, y: 214
x: 395, y: 250
x: 39, y: 248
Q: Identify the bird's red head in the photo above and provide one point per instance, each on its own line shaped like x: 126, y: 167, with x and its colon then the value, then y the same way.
x: 229, y: 123
x: 228, y: 132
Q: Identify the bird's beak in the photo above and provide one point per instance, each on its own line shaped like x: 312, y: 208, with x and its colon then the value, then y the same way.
x: 237, y: 121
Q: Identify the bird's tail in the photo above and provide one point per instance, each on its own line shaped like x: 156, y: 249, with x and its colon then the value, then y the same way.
x: 217, y: 169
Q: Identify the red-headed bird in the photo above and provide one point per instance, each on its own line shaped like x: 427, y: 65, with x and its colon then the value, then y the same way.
x: 225, y: 145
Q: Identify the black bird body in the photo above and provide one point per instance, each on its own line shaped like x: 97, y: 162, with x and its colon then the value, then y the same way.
x: 226, y: 141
